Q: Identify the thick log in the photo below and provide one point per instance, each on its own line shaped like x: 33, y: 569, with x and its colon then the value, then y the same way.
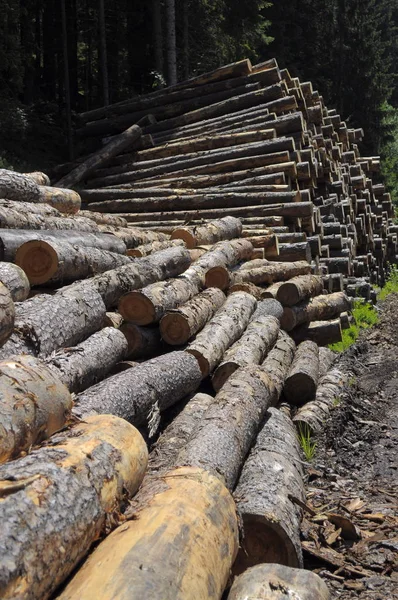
x: 278, y: 362
x: 7, y: 314
x: 134, y: 236
x: 319, y: 308
x: 226, y: 228
x: 34, y: 404
x: 45, y: 323
x: 139, y: 394
x: 112, y: 319
x: 249, y: 288
x: 321, y: 332
x: 326, y: 360
x: 82, y: 366
x: 270, y: 272
x: 269, y: 306
x: 30, y: 208
x: 268, y: 241
x: 124, y: 365
x: 175, y: 510
x: 272, y: 290
x: 272, y: 474
x: 57, y: 500
x: 38, y: 177
x: 180, y: 324
x: 99, y: 158
x: 152, y: 302
x: 59, y: 262
x: 227, y: 325
x: 292, y: 252
x: 266, y: 582
x: 143, y: 342
x: 14, y: 219
x: 66, y: 201
x: 298, y: 289
x: 152, y: 247
x: 12, y: 239
x: 102, y: 219
x: 255, y: 343
x: 15, y: 280
x: 302, y: 380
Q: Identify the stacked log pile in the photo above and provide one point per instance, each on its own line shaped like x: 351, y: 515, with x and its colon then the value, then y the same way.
x: 224, y: 226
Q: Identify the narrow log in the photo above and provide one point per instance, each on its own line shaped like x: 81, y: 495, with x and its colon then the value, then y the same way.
x: 112, y: 319
x: 302, y: 380
x: 298, y: 289
x: 222, y: 331
x: 60, y: 497
x: 103, y: 219
x: 272, y: 290
x: 226, y: 228
x: 30, y: 208
x: 139, y: 394
x: 7, y: 314
x: 34, y: 404
x: 147, y: 249
x: 266, y: 582
x: 321, y: 332
x: 271, y: 272
x: 82, y: 366
x: 255, y: 343
x: 38, y: 177
x: 99, y: 158
x: 143, y: 342
x: 249, y: 288
x: 269, y: 306
x: 14, y: 219
x: 278, y: 362
x: 326, y: 360
x: 180, y: 324
x: 272, y: 474
x: 318, y: 308
x: 15, y: 280
x: 135, y: 236
x: 58, y: 262
x: 66, y: 201
x: 142, y: 566
x: 292, y: 252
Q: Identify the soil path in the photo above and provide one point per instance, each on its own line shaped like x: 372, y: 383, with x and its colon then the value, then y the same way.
x: 355, y: 473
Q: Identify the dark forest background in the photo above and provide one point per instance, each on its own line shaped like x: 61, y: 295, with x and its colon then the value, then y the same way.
x: 115, y: 49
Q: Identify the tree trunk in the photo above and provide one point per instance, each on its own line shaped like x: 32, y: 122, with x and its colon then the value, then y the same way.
x: 147, y: 249
x: 226, y: 228
x: 266, y: 582
x: 180, y: 324
x: 143, y: 342
x: 318, y: 308
x: 270, y: 273
x: 140, y: 394
x: 255, y: 343
x: 15, y: 280
x: 321, y: 332
x: 45, y: 323
x: 302, y: 380
x: 299, y: 288
x: 103, y: 53
x: 57, y: 262
x: 171, y: 43
x: 34, y: 405
x: 7, y: 314
x: 272, y: 474
x: 157, y: 35
x: 227, y: 326
x: 171, y: 511
x: 81, y: 366
x: 66, y: 81
x: 61, y: 498
x: 134, y: 236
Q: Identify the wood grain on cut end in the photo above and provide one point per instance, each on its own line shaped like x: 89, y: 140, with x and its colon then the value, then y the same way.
x: 186, y: 236
x: 136, y: 307
x: 175, y: 328
x: 38, y: 259
x: 217, y: 277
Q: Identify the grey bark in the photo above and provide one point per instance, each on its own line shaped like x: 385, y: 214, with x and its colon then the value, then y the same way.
x: 301, y: 383
x: 15, y: 280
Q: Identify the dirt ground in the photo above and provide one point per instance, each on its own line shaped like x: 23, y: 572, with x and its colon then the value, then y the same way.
x: 354, y: 474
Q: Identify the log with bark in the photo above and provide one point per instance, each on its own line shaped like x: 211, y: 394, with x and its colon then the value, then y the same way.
x: 81, y: 366
x: 140, y: 394
x: 66, y: 201
x: 269, y: 581
x: 255, y: 343
x: 15, y: 280
x: 112, y: 319
x: 319, y: 308
x: 271, y: 476
x: 270, y: 272
x: 177, y: 326
x: 225, y: 327
x: 134, y: 236
x: 14, y: 219
x: 56, y: 262
x: 7, y: 314
x: 226, y: 228
x: 146, y: 249
x: 143, y: 342
x: 293, y: 252
x: 302, y: 380
x: 104, y: 219
x: 321, y: 332
x: 278, y: 362
x: 38, y: 177
x: 326, y: 360
x: 34, y: 404
x: 185, y: 508
x: 248, y: 287
x: 298, y: 289
x: 59, y: 499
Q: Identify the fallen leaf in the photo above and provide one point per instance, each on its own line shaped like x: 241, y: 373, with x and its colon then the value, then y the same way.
x: 349, y: 531
x: 355, y: 505
x: 332, y: 538
x: 376, y: 517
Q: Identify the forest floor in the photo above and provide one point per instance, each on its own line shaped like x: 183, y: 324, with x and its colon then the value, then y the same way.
x: 354, y: 473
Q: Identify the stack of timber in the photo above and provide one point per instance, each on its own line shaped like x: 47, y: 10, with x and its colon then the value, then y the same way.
x: 155, y: 321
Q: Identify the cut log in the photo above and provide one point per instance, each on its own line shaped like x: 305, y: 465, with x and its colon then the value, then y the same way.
x: 278, y: 363
x: 60, y: 498
x: 134, y: 236
x: 7, y: 314
x: 15, y: 186
x: 139, y: 394
x: 38, y: 177
x: 30, y: 208
x: 326, y: 360
x: 270, y: 272
x: 82, y: 366
x: 318, y: 308
x: 302, y: 380
x: 321, y: 332
x: 124, y: 365
x: 187, y: 509
x: 226, y: 228
x: 15, y: 280
x: 146, y: 249
x: 112, y: 319
x: 66, y: 201
x: 272, y: 290
x: 14, y: 219
x: 272, y: 474
x: 99, y: 158
x: 249, y: 288
x: 255, y: 343
x: 143, y: 342
x: 269, y: 306
x: 293, y: 252
x: 176, y: 435
x: 268, y: 582
x: 298, y: 289
x: 180, y: 324
x: 34, y: 404
x: 222, y: 331
x: 103, y: 219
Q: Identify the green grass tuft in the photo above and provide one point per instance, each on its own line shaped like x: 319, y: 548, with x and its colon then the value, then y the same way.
x: 391, y: 286
x: 365, y: 315
x: 308, y: 446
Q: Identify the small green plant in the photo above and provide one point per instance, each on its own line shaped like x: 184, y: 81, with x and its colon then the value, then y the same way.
x: 365, y: 315
x: 391, y: 286
x: 307, y: 444
x: 337, y: 401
